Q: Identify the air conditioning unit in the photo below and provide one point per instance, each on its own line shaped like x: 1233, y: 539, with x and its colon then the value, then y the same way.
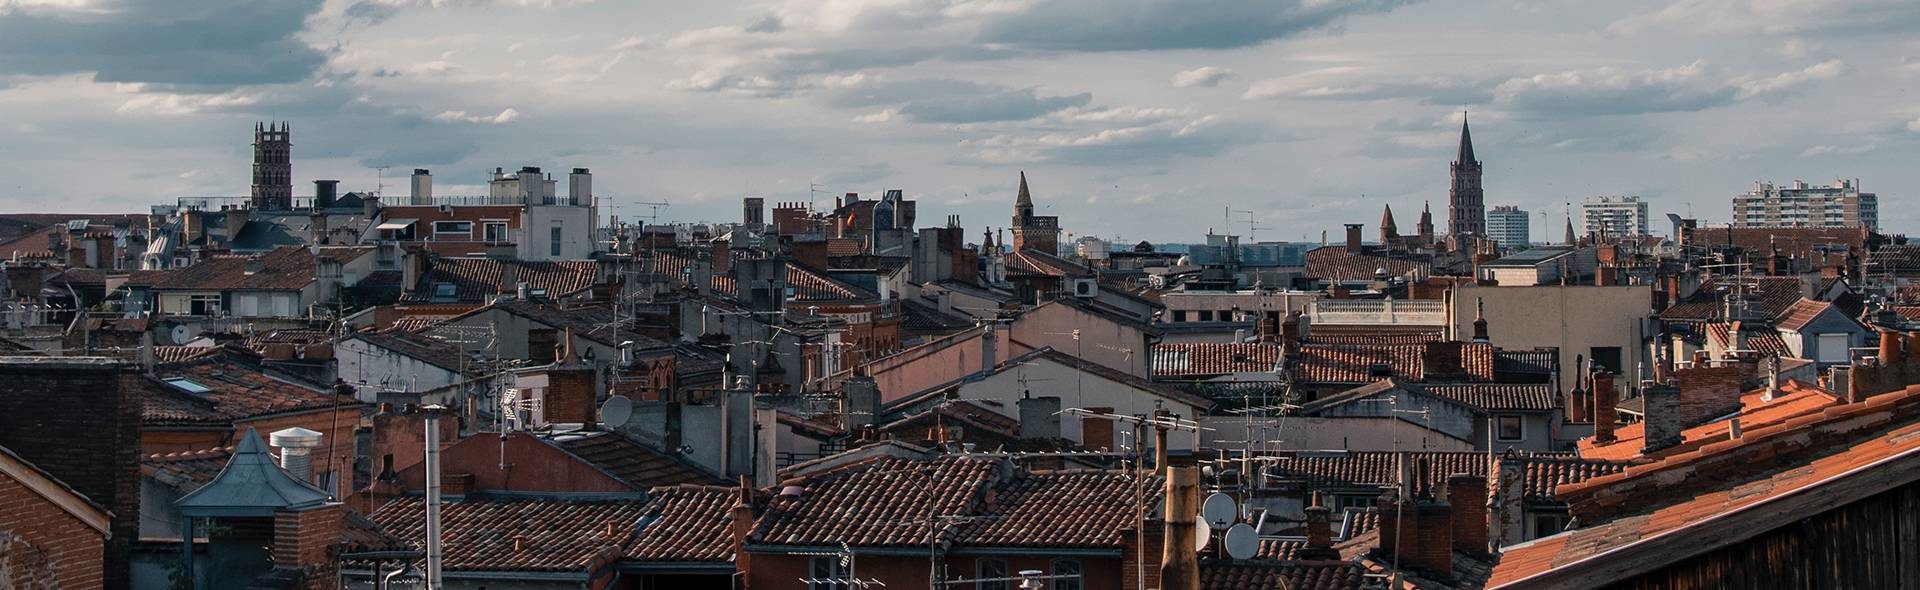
x: 1085, y: 288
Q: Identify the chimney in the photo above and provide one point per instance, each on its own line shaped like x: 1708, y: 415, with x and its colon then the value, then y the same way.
x: 863, y: 402
x: 722, y: 256
x: 369, y: 206
x: 317, y: 226
x: 1353, y: 238
x: 1737, y: 339
x: 1890, y: 346
x: 324, y: 193
x: 296, y: 450
x: 422, y: 193
x: 1467, y: 494
x: 1180, y: 563
x: 236, y: 221
x: 1662, y: 422
x: 1606, y: 406
x: 989, y: 353
x: 740, y: 521
x: 1773, y: 378
x: 1480, y: 321
x: 1842, y: 377
x: 1319, y: 533
x: 253, y: 265
x: 1039, y: 418
x: 580, y: 187
x: 569, y: 398
x: 1290, y: 332
x: 1507, y: 523
x: 303, y: 539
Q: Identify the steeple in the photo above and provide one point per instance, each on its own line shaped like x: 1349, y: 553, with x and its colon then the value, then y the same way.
x: 1026, y: 197
x: 1570, y: 238
x: 1466, y: 143
x: 1388, y: 229
x: 1425, y: 228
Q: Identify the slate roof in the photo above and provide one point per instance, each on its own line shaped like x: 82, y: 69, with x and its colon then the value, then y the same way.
x: 686, y: 524
x: 282, y: 269
x: 1648, y: 511
x: 477, y: 280
x: 630, y: 461
x: 1206, y: 359
x: 251, y: 484
x: 1545, y: 471
x: 1334, y: 263
x: 557, y: 534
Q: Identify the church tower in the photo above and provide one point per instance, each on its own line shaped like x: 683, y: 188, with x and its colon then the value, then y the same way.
x: 272, y: 166
x: 1466, y: 206
x: 1033, y: 232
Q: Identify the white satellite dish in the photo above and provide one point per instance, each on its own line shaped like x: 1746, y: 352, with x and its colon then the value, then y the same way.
x: 181, y: 334
x: 616, y: 411
x: 1220, y: 511
x: 1200, y: 537
x: 1242, y: 541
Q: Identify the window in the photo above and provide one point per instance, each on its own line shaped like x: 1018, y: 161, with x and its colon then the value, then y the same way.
x: 206, y: 305
x: 554, y: 237
x: 990, y: 568
x: 1206, y: 315
x: 495, y: 232
x: 1606, y: 357
x: 1509, y: 427
x: 1833, y: 348
x: 1341, y: 503
x: 1548, y: 524
x: 1179, y: 315
x: 453, y: 227
x: 826, y: 573
x: 1066, y: 574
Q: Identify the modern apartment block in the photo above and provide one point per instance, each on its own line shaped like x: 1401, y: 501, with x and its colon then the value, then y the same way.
x: 1840, y: 204
x: 1615, y: 216
x: 1509, y: 226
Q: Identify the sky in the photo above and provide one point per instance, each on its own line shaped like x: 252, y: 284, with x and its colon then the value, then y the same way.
x: 1133, y: 119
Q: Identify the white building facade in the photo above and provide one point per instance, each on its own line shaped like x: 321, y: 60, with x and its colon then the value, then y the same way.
x: 1509, y: 226
x: 1615, y: 216
x: 1840, y: 204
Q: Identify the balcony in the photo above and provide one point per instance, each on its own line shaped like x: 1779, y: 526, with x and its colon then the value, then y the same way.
x: 1383, y: 312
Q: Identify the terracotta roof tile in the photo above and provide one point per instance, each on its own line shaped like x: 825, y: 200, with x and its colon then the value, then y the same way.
x: 476, y: 280
x: 1796, y: 399
x: 185, y: 471
x: 181, y: 354
x: 1525, y: 397
x: 1267, y: 575
x: 1801, y: 313
x: 1334, y: 263
x: 1762, y: 339
x: 1207, y: 359
x: 556, y: 534
x: 1772, y: 295
x: 685, y: 524
x: 967, y: 413
x: 232, y: 391
x: 1062, y: 509
x: 1322, y: 363
x: 808, y: 284
x: 1545, y: 471
x: 285, y: 268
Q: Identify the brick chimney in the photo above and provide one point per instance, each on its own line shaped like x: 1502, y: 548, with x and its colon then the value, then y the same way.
x: 740, y: 525
x: 723, y: 256
x: 1467, y: 494
x: 1606, y: 406
x: 1353, y: 238
x: 1419, y: 533
x: 1890, y: 346
x: 1319, y: 533
x: 569, y: 398
x: 1707, y: 393
x: 1506, y: 524
x: 302, y: 538
x: 1662, y: 422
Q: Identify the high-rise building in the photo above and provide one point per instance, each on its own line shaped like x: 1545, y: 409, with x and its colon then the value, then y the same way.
x: 1509, y: 227
x: 1466, y: 202
x: 272, y: 166
x: 1033, y: 232
x: 1840, y: 204
x: 1614, y: 216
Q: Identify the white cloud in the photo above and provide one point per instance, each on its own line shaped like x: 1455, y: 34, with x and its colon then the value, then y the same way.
x: 1787, y: 82
x: 1207, y: 76
x: 1776, y: 17
x: 1823, y: 150
x: 507, y: 115
x: 1914, y: 125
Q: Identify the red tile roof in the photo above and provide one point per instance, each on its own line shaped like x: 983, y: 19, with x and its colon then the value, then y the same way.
x: 1269, y: 575
x: 476, y: 280
x: 686, y: 524
x: 808, y: 284
x: 1795, y: 242
x: 630, y: 461
x: 970, y: 414
x: 1041, y: 263
x: 1796, y: 399
x: 1802, y: 312
x: 185, y: 471
x: 1773, y: 295
x: 1648, y: 510
x: 1762, y: 339
x: 1335, y: 264
x: 1323, y: 363
x: 416, y: 323
x: 181, y: 354
x: 1060, y: 509
x: 281, y: 269
x: 1207, y: 359
x: 235, y: 391
x: 556, y: 535
x: 1545, y: 471
x: 1523, y: 397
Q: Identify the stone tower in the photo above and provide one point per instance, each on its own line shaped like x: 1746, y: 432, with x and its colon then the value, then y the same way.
x: 272, y: 166
x: 1033, y: 232
x: 1466, y: 205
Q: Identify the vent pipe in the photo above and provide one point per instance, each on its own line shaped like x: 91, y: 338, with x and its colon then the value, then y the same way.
x: 296, y: 450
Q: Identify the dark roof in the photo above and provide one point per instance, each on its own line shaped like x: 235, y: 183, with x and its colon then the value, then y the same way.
x: 251, y: 484
x: 631, y: 462
x: 556, y: 534
x: 967, y: 413
x: 1041, y: 263
x: 1771, y: 296
x: 281, y: 269
x: 1269, y: 574
x: 592, y: 322
x: 1494, y: 397
x: 920, y: 318
x: 220, y: 389
x: 428, y: 350
x: 1546, y: 472
x: 185, y: 471
x: 808, y: 284
x: 476, y: 280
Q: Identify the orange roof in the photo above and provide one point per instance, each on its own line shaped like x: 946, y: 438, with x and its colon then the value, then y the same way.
x: 1786, y: 462
x: 1796, y: 399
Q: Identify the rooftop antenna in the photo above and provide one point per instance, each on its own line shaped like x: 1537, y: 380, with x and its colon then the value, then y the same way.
x: 380, y: 180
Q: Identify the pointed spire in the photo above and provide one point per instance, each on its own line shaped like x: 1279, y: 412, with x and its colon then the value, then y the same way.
x: 1026, y: 198
x: 1570, y: 238
x: 1465, y: 158
x: 1386, y: 218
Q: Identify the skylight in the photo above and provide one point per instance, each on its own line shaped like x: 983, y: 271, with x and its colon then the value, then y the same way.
x: 188, y: 385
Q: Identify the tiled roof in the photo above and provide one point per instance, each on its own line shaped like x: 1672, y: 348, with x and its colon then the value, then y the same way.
x: 1762, y: 339
x: 686, y: 523
x: 1294, y: 575
x: 1041, y: 263
x: 234, y: 391
x: 479, y: 532
x: 181, y: 354
x: 1195, y: 359
x: 1900, y: 259
x: 1796, y: 399
x: 1060, y: 509
x: 966, y: 413
x: 1647, y: 511
x: 185, y: 471
x: 920, y: 318
x: 1526, y: 362
x: 808, y: 284
x: 281, y: 269
x: 1359, y: 521
x: 476, y: 280
x: 1335, y: 264
x: 1323, y: 363
x: 416, y: 323
x: 1772, y: 295
x: 1524, y: 397
x: 592, y: 322
x: 1280, y: 548
x: 1796, y: 242
x: 1802, y: 312
x: 632, y: 462
x: 1545, y: 471
x: 1394, y: 335
x: 844, y: 247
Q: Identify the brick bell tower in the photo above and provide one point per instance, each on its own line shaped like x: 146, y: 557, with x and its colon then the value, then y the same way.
x: 272, y: 166
x: 1466, y: 203
x: 1033, y: 232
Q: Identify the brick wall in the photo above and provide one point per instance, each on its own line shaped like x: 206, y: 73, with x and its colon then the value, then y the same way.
x: 302, y: 540
x: 569, y: 396
x: 39, y: 538
x: 1467, y: 493
x: 1707, y: 393
x: 79, y: 419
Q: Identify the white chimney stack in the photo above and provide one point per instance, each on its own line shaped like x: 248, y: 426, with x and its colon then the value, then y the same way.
x: 296, y: 450
x: 422, y: 187
x: 580, y: 187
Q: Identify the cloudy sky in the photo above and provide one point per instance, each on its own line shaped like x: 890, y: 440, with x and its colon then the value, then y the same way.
x: 1134, y: 119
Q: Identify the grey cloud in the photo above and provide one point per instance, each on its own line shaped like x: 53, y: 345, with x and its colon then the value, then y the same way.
x: 959, y: 101
x: 861, y: 174
x: 1612, y: 91
x: 191, y: 45
x: 1123, y: 25
x: 766, y: 24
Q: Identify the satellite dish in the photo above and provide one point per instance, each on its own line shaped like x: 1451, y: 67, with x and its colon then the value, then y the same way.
x: 181, y: 334
x: 1200, y: 537
x: 616, y: 411
x: 1220, y: 511
x: 1242, y: 541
